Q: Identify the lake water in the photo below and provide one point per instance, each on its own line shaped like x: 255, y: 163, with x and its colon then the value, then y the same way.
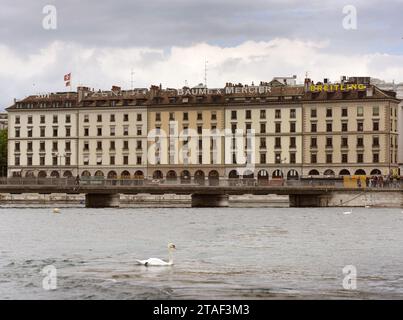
x: 228, y: 253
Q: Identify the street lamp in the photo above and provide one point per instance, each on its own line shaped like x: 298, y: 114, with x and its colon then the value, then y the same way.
x: 59, y: 161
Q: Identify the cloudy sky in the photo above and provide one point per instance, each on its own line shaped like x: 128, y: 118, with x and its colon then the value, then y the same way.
x: 168, y: 41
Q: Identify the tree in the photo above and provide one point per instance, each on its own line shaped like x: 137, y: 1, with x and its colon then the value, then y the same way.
x: 3, y: 152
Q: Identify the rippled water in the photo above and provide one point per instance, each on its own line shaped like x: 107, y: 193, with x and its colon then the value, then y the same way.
x: 222, y: 253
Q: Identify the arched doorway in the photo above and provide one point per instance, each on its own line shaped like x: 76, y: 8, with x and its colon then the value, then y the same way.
x: 329, y: 172
x: 313, y: 172
x: 213, y: 178
x: 157, y: 174
x: 248, y: 177
x: 54, y: 174
x: 185, y: 176
x: 67, y: 174
x: 199, y: 177
x: 125, y: 175
x: 171, y: 176
x: 292, y: 175
x: 86, y: 174
x: 112, y: 175
x: 360, y: 172
x: 263, y: 177
x: 376, y: 172
x: 139, y: 175
x: 42, y: 174
x: 277, y: 174
x: 344, y: 172
x: 99, y: 174
x: 30, y: 174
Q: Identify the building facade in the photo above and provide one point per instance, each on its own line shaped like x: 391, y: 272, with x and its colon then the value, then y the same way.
x: 262, y: 132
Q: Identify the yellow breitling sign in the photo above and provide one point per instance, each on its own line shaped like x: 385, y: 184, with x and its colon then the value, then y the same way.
x: 336, y: 87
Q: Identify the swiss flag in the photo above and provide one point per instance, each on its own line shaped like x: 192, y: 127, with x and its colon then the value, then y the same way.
x: 67, y: 83
x: 67, y: 77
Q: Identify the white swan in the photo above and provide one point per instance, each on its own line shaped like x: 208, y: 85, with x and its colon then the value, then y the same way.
x: 159, y: 262
x: 56, y: 210
x: 348, y: 212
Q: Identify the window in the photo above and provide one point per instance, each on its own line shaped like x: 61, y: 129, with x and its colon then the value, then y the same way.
x: 360, y: 158
x: 328, y: 113
x: 125, y: 117
x: 99, y: 160
x: 67, y: 146
x: 17, y: 160
x: 55, y: 119
x: 262, y: 158
x: 292, y: 126
x: 112, y: 118
x: 42, y: 146
x: 125, y: 130
x: 344, y: 158
x: 112, y: 131
x: 375, y: 141
x: 139, y: 131
x: 263, y: 128
x: 99, y: 118
x: 375, y: 111
x: 199, y: 129
x: 171, y: 116
x: 360, y: 142
x: 111, y: 145
x: 68, y: 131
x: 313, y: 158
x: 86, y: 118
x: 329, y: 158
x: 293, y: 114
x: 55, y: 132
x: 99, y: 145
x: 29, y: 132
x: 344, y: 112
x: 329, y: 142
x: 54, y: 160
x: 68, y: 118
x: 233, y: 128
x: 292, y: 157
x: 293, y: 142
x: 17, y: 119
x: 248, y: 127
x: 262, y: 143
x: 277, y: 158
x: 54, y: 146
x: 42, y: 131
x: 157, y: 116
x: 278, y: 127
x: 185, y: 116
x: 277, y: 143
x: 313, y: 126
x: 277, y: 114
x: 360, y: 111
x: 360, y: 126
x: 42, y: 160
x: 125, y: 159
x: 344, y: 127
x: 86, y: 132
x: 86, y: 146
x: 313, y: 113
x: 375, y: 158
x: 42, y: 119
x: 138, y: 160
x: 99, y: 132
x: 262, y: 114
x: 139, y: 145
x: 344, y: 142
x: 112, y: 160
x: 17, y: 147
x: 125, y: 145
x: 329, y: 127
x: 233, y: 115
x: 248, y: 114
x: 29, y: 119
x: 314, y: 142
x: 17, y: 132
x: 375, y: 126
x: 139, y: 117
x: 213, y: 116
x: 67, y: 160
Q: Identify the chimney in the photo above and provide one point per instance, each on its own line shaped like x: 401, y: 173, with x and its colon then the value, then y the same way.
x: 82, y: 93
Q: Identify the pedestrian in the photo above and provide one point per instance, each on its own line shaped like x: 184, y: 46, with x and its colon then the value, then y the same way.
x: 77, y: 182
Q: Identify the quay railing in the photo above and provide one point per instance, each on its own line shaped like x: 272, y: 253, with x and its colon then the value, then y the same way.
x: 97, y: 181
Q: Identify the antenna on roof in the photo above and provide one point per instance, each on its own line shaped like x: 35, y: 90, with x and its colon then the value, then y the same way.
x: 205, y: 72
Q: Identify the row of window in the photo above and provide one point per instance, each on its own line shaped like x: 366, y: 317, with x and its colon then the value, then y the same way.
x: 344, y: 126
x: 345, y: 158
x: 277, y: 114
x: 112, y: 117
x: 112, y: 145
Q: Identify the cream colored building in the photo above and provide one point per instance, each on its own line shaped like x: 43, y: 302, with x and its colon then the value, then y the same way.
x: 261, y: 132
